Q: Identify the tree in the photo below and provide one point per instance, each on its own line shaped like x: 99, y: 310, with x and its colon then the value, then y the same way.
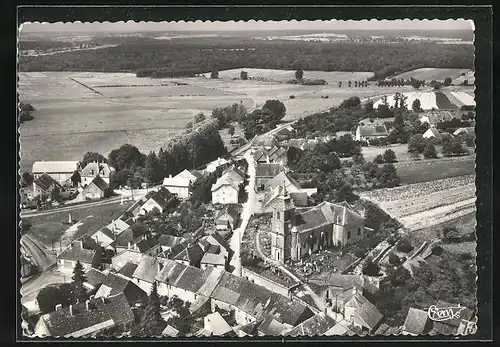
x: 153, y: 171
x: 76, y: 179
x: 91, y: 157
x: 126, y: 157
x: 430, y: 151
x: 139, y: 229
x: 369, y: 106
x: 379, y: 159
x: 299, y: 74
x: 404, y: 245
x: 189, y: 125
x: 276, y: 107
x: 79, y: 293
x: 52, y: 295
x: 416, y: 106
x: 27, y: 179
x: 399, y: 276
x: 416, y: 83
x: 200, y: 117
x: 447, y: 81
x: 244, y: 75
x: 358, y: 159
x: 353, y: 101
x: 417, y: 144
x: 388, y: 177
x: 453, y: 147
x: 394, y: 259
x: 231, y: 130
x: 55, y: 195
x: 389, y: 156
x: 151, y: 320
x: 423, y: 275
x: 370, y: 268
x: 214, y: 73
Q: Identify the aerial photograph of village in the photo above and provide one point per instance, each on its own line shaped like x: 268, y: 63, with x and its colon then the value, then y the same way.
x: 247, y: 179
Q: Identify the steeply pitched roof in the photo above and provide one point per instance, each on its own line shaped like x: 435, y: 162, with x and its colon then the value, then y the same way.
x: 115, y: 284
x: 146, y: 244
x: 213, y: 259
x: 100, y: 183
x: 55, y: 166
x: 102, y: 314
x: 45, y: 181
x: 148, y: 268
x: 432, y: 132
x: 339, y: 329
x: 269, y: 170
x: 92, y: 169
x: 190, y: 279
x: 170, y: 331
x: 416, y: 321
x: 128, y: 269
x: 283, y: 178
x: 277, y: 154
x: 117, y: 226
x: 169, y: 240
x: 368, y: 315
x: 315, y: 326
x: 370, y: 130
x: 123, y: 239
x: 192, y: 254
x: 188, y: 175
x: 95, y: 277
x: 170, y: 271
x: 271, y: 327
x: 217, y: 324
x: 234, y: 173
x: 325, y: 213
x: 178, y: 182
x: 259, y: 154
x: 76, y: 251
x: 230, y: 212
x: 162, y: 197
x: 211, y: 278
x: 225, y: 181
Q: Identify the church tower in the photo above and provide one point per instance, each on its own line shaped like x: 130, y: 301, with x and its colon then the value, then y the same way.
x: 283, y: 221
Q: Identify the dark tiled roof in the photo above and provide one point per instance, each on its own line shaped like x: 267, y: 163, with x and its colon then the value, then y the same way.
x: 119, y: 309
x: 174, y: 251
x: 148, y: 268
x: 235, y: 173
x: 193, y: 254
x: 100, y: 183
x: 146, y: 244
x: 94, y: 168
x: 278, y: 154
x: 370, y: 130
x: 124, y: 238
x: 128, y: 269
x: 271, y: 327
x: 76, y: 252
x: 191, y: 279
x: 162, y: 197
x: 95, y: 277
x: 314, y: 326
x: 269, y: 170
x: 45, y: 181
x: 216, y: 239
x: 368, y: 314
x: 280, y: 179
x: 230, y: 210
x: 169, y: 240
x: 416, y: 321
x: 170, y: 271
x: 310, y: 219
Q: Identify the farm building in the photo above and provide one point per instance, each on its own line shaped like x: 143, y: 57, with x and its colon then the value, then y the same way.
x: 298, y: 233
x: 86, y: 251
x: 367, y: 132
x: 44, y: 184
x: 160, y: 199
x: 167, y: 242
x: 266, y: 172
x: 225, y: 191
x: 316, y: 325
x: 218, y: 261
x: 61, y: 171
x: 235, y: 174
x: 212, y: 166
x: 227, y: 218
x: 467, y: 130
x: 417, y: 322
x: 436, y: 116
x: 96, y: 189
x: 96, y: 169
x: 88, y: 318
x: 216, y: 325
x: 431, y: 133
x: 190, y: 255
x: 178, y: 185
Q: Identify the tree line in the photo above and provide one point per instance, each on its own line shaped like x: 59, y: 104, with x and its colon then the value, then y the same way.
x: 178, y: 58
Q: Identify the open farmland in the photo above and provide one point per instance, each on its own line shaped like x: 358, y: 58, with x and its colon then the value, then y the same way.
x: 422, y: 205
x: 285, y: 75
x: 445, y: 98
x: 429, y: 74
x: 435, y: 169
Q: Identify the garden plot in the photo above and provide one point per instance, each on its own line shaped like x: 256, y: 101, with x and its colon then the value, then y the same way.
x: 469, y: 76
x: 429, y: 74
x: 427, y: 100
x: 464, y: 98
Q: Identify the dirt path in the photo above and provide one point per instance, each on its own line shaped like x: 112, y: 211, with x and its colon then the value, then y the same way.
x: 42, y: 257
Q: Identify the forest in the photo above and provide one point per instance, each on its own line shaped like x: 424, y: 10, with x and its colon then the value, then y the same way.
x: 180, y: 58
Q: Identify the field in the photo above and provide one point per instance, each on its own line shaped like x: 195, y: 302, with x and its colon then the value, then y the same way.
x: 401, y: 150
x: 429, y: 74
x: 445, y: 98
x: 429, y: 170
x: 331, y: 77
x: 49, y: 228
x: 422, y: 205
x: 78, y: 112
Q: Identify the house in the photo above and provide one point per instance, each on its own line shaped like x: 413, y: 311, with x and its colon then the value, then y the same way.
x: 216, y: 325
x: 193, y: 175
x: 94, y: 169
x: 128, y: 270
x: 367, y: 132
x: 317, y: 325
x: 146, y: 246
x: 260, y: 156
x: 467, y: 130
x: 115, y: 284
x: 44, y: 184
x: 213, y: 241
x: 225, y: 191
x: 266, y: 172
x: 227, y: 218
x: 96, y: 316
x: 212, y: 166
x: 341, y: 328
x: 61, y: 171
x: 456, y: 324
x: 436, y: 116
x: 95, y: 278
x: 170, y: 331
x: 339, y: 288
x: 178, y: 185
x: 266, y: 141
x: 295, y: 233
x: 340, y: 134
x: 146, y: 271
x: 249, y: 329
x: 368, y: 317
x: 96, y: 189
x: 105, y: 238
x: 417, y: 322
x: 218, y: 261
x: 191, y: 255
x: 275, y: 186
x: 167, y: 242
x: 432, y: 133
x: 270, y: 326
x: 234, y: 174
x: 27, y: 266
x: 88, y: 253
x: 280, y: 156
x: 160, y: 199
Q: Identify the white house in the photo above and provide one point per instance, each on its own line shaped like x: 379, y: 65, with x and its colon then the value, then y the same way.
x: 367, y: 132
x: 59, y: 170
x: 93, y: 169
x: 159, y: 200
x: 211, y: 167
x: 225, y: 191
x: 178, y: 185
x: 431, y: 133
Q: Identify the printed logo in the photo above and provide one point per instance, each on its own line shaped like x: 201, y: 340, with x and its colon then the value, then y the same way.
x: 441, y: 314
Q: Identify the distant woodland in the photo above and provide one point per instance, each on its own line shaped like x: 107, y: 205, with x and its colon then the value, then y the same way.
x: 185, y: 58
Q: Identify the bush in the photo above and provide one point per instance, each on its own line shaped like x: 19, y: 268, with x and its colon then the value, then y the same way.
x: 391, y: 240
x: 404, y: 245
x: 466, y: 256
x: 292, y: 96
x: 375, y: 142
x: 359, y: 252
x: 437, y: 250
x: 379, y: 159
x: 389, y: 156
x: 451, y: 235
x: 394, y: 260
x: 370, y: 268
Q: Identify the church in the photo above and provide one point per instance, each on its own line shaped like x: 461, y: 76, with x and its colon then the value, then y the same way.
x: 296, y: 233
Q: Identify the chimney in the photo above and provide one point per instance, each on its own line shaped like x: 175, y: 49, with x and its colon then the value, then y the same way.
x: 129, y: 245
x: 103, y: 299
x: 170, y: 176
x: 354, y: 290
x: 160, y: 266
x: 92, y: 297
x: 70, y: 310
x: 58, y: 307
x: 87, y: 304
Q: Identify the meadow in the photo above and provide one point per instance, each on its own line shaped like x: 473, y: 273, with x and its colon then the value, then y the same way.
x: 429, y: 74
x: 445, y: 98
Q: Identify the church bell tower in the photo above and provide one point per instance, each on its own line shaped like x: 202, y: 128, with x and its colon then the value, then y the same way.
x: 283, y: 221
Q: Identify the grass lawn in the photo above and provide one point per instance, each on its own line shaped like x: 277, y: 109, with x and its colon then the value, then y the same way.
x: 49, y: 228
x: 401, y: 150
x: 434, y: 170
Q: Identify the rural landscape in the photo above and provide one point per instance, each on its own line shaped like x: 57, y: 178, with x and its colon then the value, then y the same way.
x: 252, y: 182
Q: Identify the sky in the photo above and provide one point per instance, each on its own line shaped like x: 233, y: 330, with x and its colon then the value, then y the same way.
x: 252, y: 25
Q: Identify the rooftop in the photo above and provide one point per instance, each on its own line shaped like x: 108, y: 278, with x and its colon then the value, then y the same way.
x: 55, y: 166
x: 76, y: 251
x: 314, y: 326
x: 99, y: 183
x: 94, y: 168
x: 269, y: 170
x: 216, y: 324
x: 45, y: 181
x: 416, y: 321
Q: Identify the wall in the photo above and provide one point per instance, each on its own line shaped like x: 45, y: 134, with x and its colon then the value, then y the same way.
x: 265, y: 282
x: 149, y: 206
x: 225, y: 195
x: 41, y: 328
x: 124, y: 257
x: 182, y: 192
x: 92, y: 192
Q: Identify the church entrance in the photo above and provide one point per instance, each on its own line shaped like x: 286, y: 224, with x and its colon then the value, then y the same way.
x: 339, y: 244
x: 277, y: 257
